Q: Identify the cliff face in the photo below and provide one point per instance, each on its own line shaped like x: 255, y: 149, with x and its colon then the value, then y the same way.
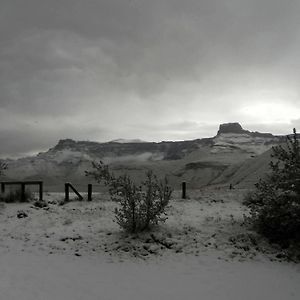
x: 198, y: 162
x: 156, y: 151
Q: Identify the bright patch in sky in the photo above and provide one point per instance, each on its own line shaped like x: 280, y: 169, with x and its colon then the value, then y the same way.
x: 271, y: 112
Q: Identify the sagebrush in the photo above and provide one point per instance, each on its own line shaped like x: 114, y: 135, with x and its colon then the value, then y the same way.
x: 140, y: 206
x: 275, y: 204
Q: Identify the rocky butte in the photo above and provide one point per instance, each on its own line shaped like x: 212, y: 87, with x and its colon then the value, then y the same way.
x: 231, y: 128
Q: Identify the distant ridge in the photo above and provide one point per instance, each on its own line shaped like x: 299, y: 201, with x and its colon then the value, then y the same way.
x: 224, y: 158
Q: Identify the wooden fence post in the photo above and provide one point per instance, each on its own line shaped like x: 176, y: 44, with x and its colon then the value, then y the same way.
x: 22, y: 192
x: 67, y: 192
x: 90, y: 187
x: 41, y: 191
x: 183, y: 190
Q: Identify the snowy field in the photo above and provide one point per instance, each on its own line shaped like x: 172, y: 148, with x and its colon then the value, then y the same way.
x: 203, y: 251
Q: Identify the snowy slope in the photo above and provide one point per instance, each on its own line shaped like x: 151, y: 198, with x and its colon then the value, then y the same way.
x: 255, y: 145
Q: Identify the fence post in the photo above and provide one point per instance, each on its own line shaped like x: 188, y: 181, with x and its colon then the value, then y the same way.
x: 22, y: 192
x: 2, y: 188
x: 183, y: 190
x: 90, y: 187
x: 41, y: 191
x: 66, y: 191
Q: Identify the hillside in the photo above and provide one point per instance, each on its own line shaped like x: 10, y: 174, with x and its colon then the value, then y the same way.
x: 230, y: 156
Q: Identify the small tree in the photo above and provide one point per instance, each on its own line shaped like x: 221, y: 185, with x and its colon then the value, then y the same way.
x: 140, y: 206
x: 275, y: 204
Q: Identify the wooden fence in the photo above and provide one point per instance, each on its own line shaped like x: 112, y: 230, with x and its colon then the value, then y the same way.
x: 23, y: 185
x: 68, y: 185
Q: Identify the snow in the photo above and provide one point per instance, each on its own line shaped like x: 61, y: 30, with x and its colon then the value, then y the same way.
x: 225, y: 142
x: 76, y: 251
x: 127, y: 141
x: 143, y: 157
x: 28, y: 276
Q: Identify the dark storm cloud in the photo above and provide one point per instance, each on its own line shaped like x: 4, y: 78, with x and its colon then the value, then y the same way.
x: 121, y: 64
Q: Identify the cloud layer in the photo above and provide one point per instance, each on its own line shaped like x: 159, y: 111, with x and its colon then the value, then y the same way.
x: 155, y: 70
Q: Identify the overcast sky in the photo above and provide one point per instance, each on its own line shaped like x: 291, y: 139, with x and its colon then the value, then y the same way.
x: 149, y: 69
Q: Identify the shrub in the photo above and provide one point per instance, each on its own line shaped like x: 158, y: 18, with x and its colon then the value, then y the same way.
x: 275, y: 204
x: 140, y: 205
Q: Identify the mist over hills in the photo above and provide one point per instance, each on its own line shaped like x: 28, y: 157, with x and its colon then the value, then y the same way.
x: 234, y: 155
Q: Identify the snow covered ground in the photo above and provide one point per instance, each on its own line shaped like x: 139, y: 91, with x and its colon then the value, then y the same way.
x: 203, y: 251
x: 27, y: 276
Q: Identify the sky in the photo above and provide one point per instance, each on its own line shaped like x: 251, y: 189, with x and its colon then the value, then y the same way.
x: 155, y: 70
